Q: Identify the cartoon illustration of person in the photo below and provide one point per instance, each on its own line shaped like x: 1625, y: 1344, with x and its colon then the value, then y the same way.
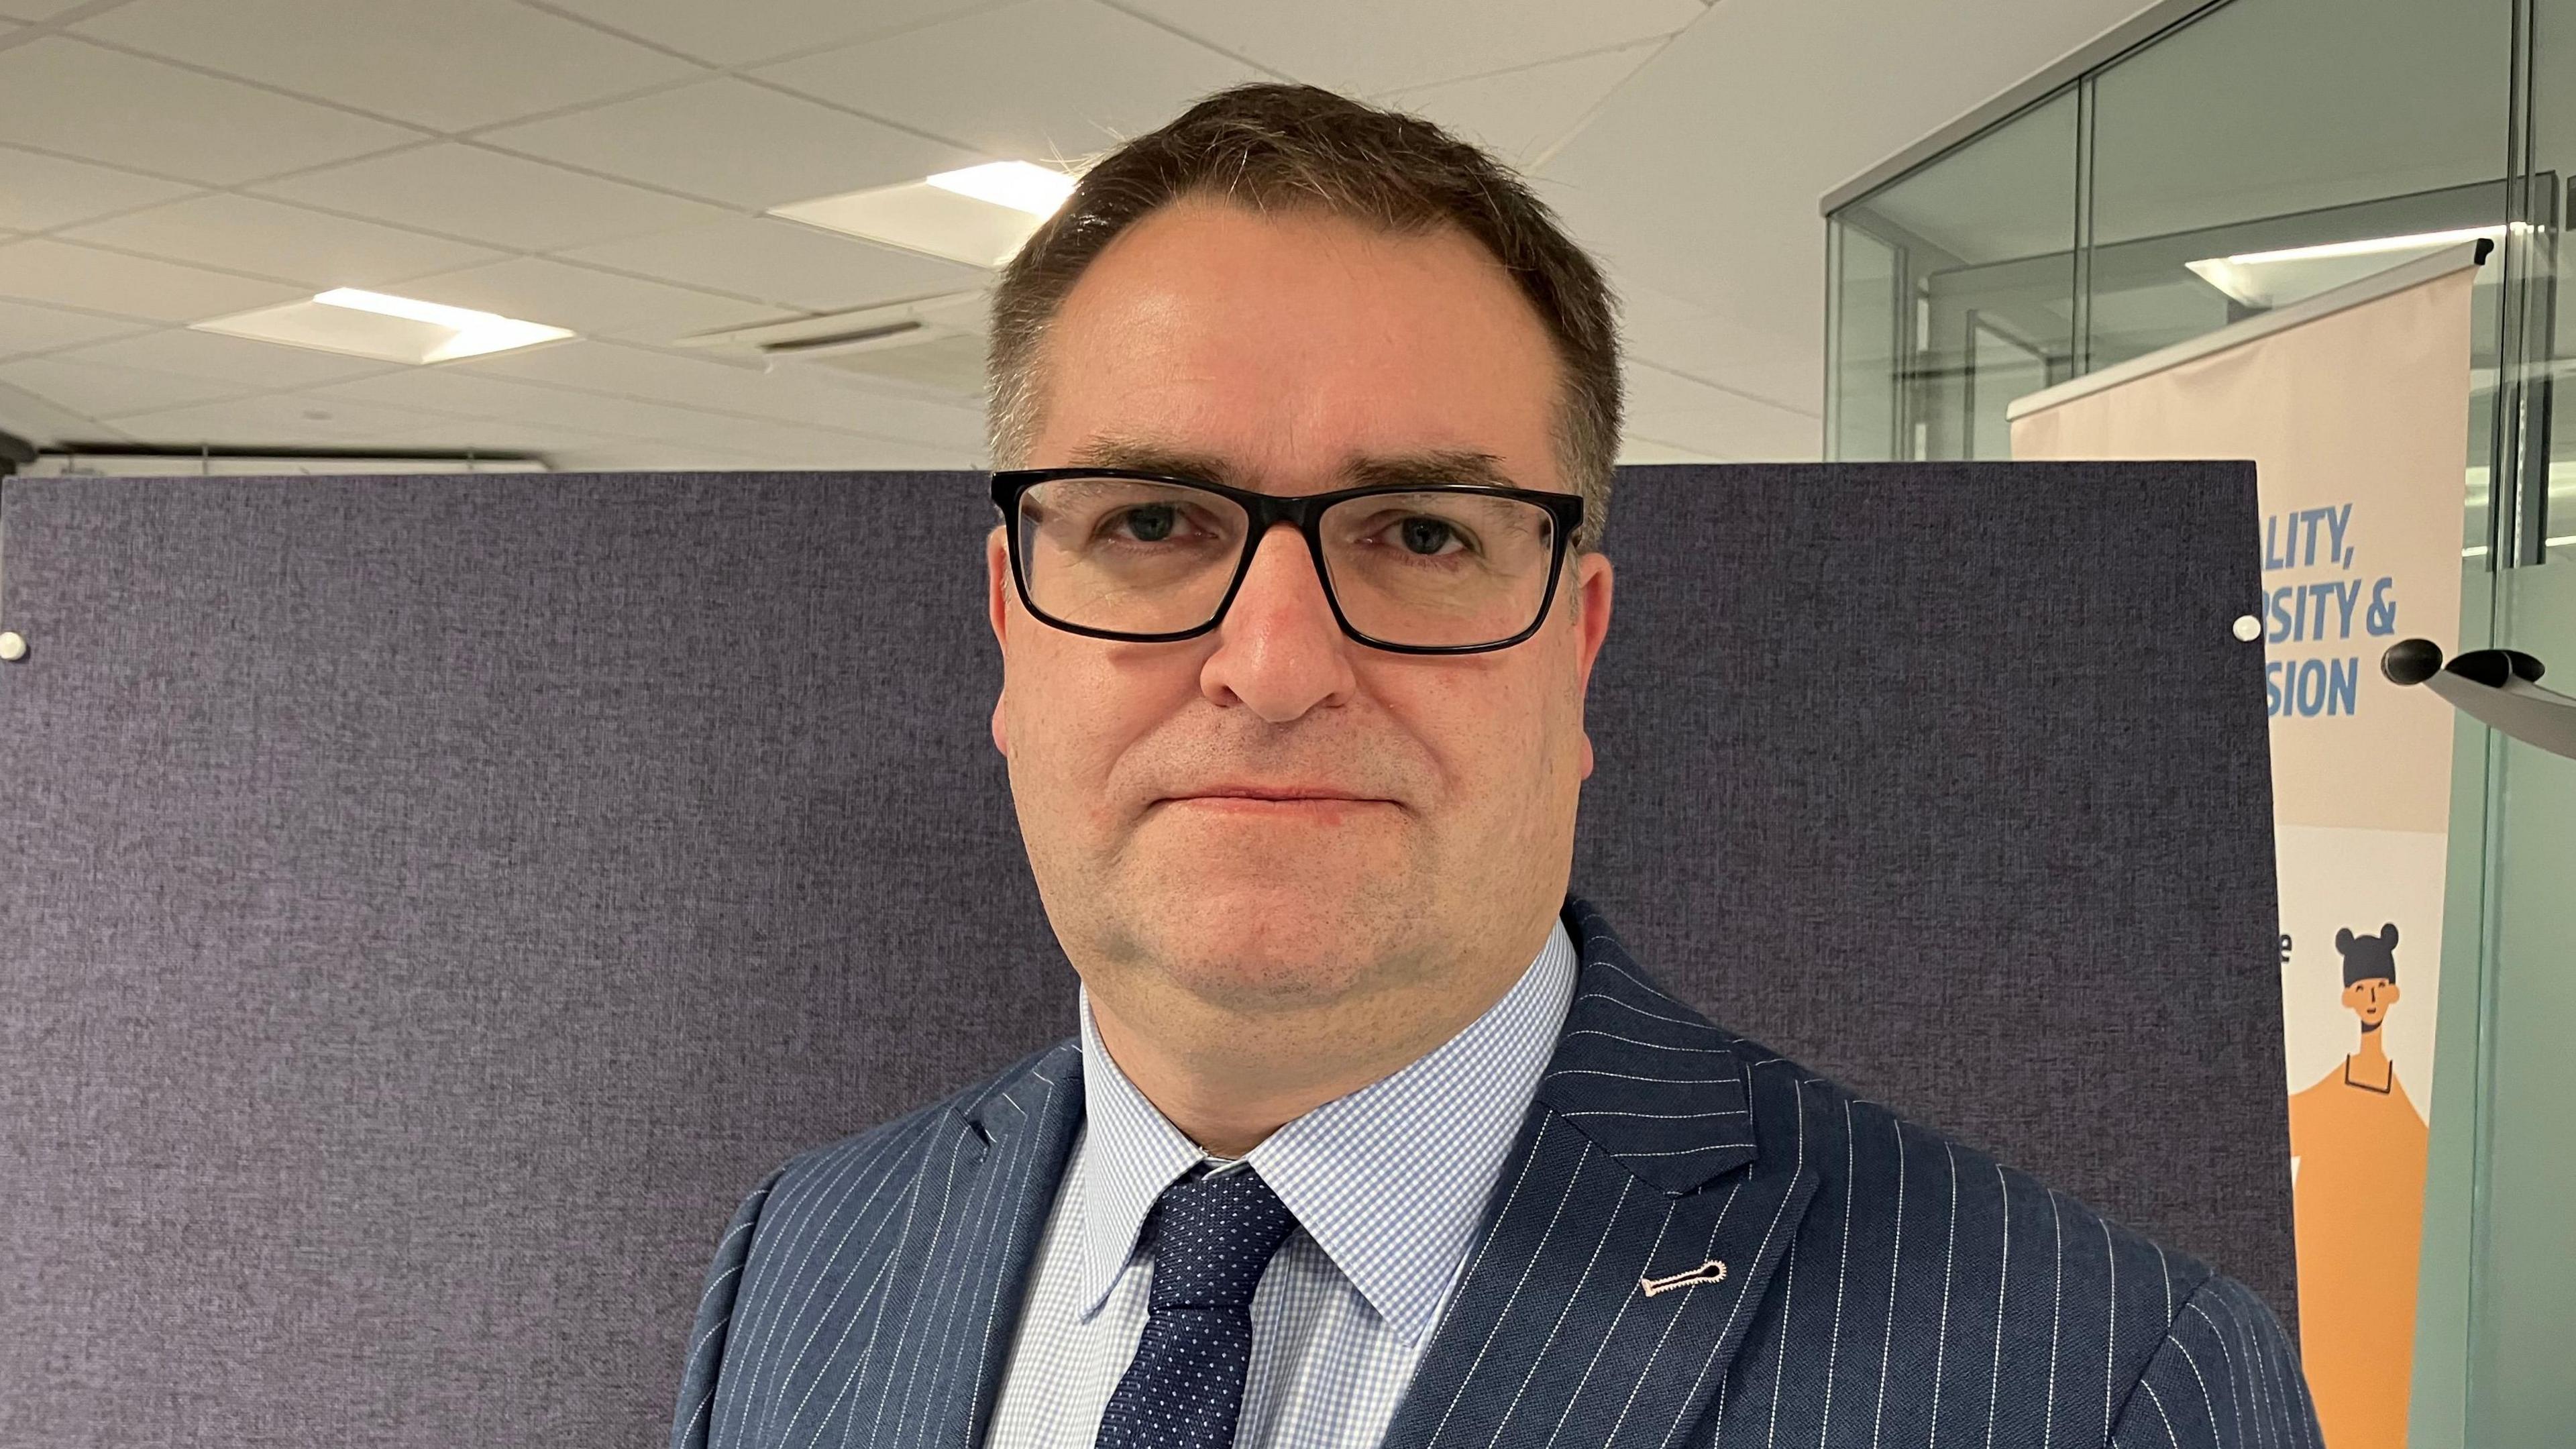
x: 2357, y: 1144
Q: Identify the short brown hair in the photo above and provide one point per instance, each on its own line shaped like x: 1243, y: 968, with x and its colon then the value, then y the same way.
x: 1278, y: 146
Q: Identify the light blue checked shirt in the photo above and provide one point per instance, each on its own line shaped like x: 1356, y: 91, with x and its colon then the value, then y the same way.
x: 1388, y: 1186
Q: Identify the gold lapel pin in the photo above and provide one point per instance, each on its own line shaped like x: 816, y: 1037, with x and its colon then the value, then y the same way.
x: 1712, y: 1271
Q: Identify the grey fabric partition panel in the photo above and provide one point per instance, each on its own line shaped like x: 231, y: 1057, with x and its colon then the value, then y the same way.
x: 430, y: 903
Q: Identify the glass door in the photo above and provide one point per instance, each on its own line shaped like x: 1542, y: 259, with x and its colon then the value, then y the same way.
x: 2522, y: 1298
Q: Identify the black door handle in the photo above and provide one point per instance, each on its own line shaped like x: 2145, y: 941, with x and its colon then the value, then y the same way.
x: 2496, y: 687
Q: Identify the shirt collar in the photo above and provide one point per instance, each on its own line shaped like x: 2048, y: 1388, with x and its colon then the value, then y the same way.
x: 1390, y: 1181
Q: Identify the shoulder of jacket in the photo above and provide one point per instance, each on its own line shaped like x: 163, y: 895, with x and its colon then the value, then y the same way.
x: 888, y: 1146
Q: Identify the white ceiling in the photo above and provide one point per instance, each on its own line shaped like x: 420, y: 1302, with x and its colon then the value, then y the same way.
x: 602, y: 165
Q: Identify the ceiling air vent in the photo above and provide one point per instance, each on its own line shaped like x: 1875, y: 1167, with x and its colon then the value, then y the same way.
x: 935, y: 343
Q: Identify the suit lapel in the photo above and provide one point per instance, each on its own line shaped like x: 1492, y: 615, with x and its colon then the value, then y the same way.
x: 1631, y: 1237
x: 1020, y: 1136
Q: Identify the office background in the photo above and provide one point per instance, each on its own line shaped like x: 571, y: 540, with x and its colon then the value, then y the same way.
x: 2081, y: 220
x: 2015, y: 187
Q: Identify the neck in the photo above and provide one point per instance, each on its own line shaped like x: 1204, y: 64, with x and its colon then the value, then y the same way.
x: 2370, y: 1064
x: 1228, y: 1079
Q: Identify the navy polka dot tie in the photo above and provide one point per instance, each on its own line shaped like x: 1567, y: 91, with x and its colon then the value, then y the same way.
x: 1212, y: 1237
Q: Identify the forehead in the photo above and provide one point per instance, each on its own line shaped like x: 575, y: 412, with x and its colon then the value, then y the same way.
x: 1295, y: 346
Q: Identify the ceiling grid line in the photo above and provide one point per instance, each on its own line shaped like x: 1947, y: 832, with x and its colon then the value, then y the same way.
x: 233, y: 78
x: 1538, y: 163
x: 1201, y: 41
x: 53, y: 24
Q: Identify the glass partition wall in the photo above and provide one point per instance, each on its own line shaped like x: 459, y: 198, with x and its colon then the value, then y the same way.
x: 2211, y: 162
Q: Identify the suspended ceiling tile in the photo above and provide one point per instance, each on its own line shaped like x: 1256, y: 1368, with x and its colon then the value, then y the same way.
x: 41, y: 269
x: 26, y: 328
x: 448, y: 65
x: 795, y: 395
x: 772, y: 438
x: 1686, y: 413
x: 86, y: 101
x: 283, y: 420
x: 741, y: 31
x: 106, y: 392
x: 468, y: 435
x: 788, y: 395
x: 782, y: 262
x: 623, y: 370
x: 1522, y: 114
x: 804, y: 448
x: 1420, y: 42
x: 734, y: 142
x: 1660, y: 328
x: 1635, y: 450
x: 467, y: 395
x: 273, y: 239
x: 1702, y: 174
x: 1042, y: 80
x: 255, y: 365
x: 492, y: 197
x: 44, y: 422
x: 818, y: 395
x: 758, y: 398
x: 587, y: 300
x: 39, y: 193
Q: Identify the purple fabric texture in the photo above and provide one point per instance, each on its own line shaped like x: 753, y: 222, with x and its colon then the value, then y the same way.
x: 432, y: 902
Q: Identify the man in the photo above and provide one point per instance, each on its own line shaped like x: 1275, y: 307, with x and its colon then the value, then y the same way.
x: 1369, y: 1134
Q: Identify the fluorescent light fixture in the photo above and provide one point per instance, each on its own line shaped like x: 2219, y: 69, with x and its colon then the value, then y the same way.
x: 1015, y: 184
x: 2286, y: 274
x: 2372, y: 246
x: 475, y: 332
x: 380, y: 325
x: 978, y: 216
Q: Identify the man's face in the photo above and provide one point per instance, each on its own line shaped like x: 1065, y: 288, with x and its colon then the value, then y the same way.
x: 1272, y: 816
x: 2369, y: 999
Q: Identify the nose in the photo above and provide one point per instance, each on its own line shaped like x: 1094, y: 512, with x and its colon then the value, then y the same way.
x: 1279, y: 652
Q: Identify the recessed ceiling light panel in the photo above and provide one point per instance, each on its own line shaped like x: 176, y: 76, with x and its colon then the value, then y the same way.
x: 380, y: 325
x: 978, y: 216
x: 1015, y: 184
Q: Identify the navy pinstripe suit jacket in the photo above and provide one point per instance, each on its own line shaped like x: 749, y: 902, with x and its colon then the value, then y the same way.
x: 1881, y: 1286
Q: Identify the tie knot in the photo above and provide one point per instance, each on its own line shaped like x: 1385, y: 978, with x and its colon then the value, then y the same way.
x: 1212, y: 1238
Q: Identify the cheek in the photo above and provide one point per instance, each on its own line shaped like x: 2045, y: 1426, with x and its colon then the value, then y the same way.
x: 1077, y: 708
x: 1505, y: 741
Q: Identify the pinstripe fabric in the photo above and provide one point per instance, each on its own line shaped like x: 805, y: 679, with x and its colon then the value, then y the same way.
x: 1388, y: 1185
x: 1826, y: 1274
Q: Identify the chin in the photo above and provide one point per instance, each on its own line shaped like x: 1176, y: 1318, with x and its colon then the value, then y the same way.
x: 1296, y: 939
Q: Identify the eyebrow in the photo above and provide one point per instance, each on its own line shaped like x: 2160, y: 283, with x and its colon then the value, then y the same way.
x: 1431, y: 467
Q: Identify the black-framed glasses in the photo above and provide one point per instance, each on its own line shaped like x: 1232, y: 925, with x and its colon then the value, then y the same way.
x: 1413, y: 568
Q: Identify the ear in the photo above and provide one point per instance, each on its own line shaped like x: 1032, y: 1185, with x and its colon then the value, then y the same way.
x: 2388, y: 933
x: 997, y: 611
x: 1593, y: 586
x: 2343, y: 939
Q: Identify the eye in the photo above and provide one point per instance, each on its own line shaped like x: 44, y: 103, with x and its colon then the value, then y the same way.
x: 1427, y: 536
x: 1146, y: 523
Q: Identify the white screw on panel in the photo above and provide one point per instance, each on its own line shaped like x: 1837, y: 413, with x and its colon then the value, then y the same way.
x: 2248, y: 628
x: 13, y: 646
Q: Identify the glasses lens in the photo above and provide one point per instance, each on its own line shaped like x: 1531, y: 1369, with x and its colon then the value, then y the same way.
x: 1439, y: 570
x: 1126, y: 556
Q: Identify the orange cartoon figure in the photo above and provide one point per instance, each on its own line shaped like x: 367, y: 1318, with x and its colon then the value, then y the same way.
x: 2358, y: 1145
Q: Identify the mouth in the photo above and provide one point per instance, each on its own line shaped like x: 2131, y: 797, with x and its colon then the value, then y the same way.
x: 1274, y: 801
